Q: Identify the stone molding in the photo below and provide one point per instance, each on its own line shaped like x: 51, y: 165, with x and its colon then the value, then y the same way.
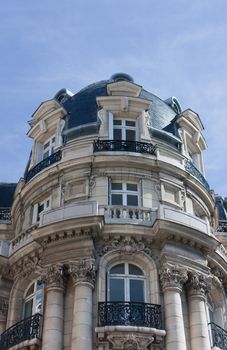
x: 124, y: 245
x: 199, y: 284
x: 4, y: 304
x: 62, y: 236
x: 53, y: 276
x: 173, y: 276
x: 83, y: 271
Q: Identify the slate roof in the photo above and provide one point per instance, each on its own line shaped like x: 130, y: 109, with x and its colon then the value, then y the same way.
x: 221, y: 204
x: 6, y: 194
x: 82, y: 108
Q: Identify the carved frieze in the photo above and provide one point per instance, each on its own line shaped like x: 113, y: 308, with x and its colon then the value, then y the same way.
x: 199, y: 284
x: 173, y: 276
x: 124, y: 245
x: 24, y: 267
x: 129, y: 341
x: 83, y: 271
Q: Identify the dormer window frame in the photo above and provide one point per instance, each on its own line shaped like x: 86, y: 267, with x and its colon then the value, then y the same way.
x: 126, y: 125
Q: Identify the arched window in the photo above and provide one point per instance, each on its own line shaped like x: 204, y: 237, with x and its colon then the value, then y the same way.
x: 126, y: 283
x: 33, y: 299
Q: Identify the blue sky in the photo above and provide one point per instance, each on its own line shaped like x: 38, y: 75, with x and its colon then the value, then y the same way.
x: 171, y: 47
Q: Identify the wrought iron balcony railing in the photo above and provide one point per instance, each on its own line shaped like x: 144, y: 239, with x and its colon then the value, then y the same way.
x: 5, y: 214
x: 45, y: 163
x: 124, y: 146
x: 219, y: 336
x: 189, y: 166
x: 129, y: 314
x: 222, y: 226
x: 27, y: 329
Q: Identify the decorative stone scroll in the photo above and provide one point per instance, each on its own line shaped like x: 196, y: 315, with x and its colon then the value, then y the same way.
x: 83, y: 271
x: 199, y: 284
x: 53, y: 276
x: 125, y: 245
x: 173, y: 276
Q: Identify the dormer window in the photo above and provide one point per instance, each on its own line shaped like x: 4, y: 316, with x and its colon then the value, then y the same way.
x: 124, y: 130
x: 48, y: 147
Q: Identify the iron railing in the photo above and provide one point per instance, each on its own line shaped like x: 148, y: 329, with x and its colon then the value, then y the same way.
x: 125, y: 146
x: 189, y: 166
x: 45, y: 163
x: 219, y: 336
x: 5, y: 214
x: 27, y: 329
x: 222, y: 226
x: 129, y: 314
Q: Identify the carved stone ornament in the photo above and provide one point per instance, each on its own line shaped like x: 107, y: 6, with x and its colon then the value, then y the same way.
x: 83, y: 271
x: 24, y: 267
x: 199, y: 284
x: 173, y: 276
x: 4, y: 304
x: 53, y: 276
x: 124, y: 245
x: 129, y: 341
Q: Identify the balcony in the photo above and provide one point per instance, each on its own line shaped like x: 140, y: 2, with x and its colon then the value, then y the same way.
x: 129, y: 215
x: 124, y: 146
x: 219, y: 336
x: 26, y: 332
x: 189, y: 166
x: 45, y: 163
x: 129, y: 314
x: 5, y: 215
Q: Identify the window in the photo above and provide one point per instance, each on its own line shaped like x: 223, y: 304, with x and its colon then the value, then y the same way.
x: 124, y: 194
x: 48, y: 147
x: 126, y: 283
x: 39, y: 208
x: 124, y: 130
x: 33, y: 299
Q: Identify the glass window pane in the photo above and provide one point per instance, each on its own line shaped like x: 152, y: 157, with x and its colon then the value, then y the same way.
x: 39, y: 285
x: 130, y: 135
x: 130, y: 123
x: 46, y: 155
x: 135, y: 270
x: 46, y: 145
x: 120, y: 268
x: 137, y: 291
x: 117, y: 289
x: 116, y: 199
x: 117, y: 122
x: 132, y: 187
x: 40, y: 208
x: 117, y: 134
x: 30, y: 290
x: 116, y: 186
x: 28, y: 308
x: 132, y: 200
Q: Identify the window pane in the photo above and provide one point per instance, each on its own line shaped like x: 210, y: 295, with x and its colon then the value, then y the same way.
x: 117, y: 289
x: 134, y: 270
x: 38, y: 302
x: 132, y: 200
x: 130, y: 123
x: 46, y: 154
x: 46, y: 145
x: 28, y: 308
x: 120, y: 268
x: 30, y: 290
x: 116, y: 186
x: 116, y: 199
x: 39, y: 285
x: 137, y: 290
x: 117, y: 122
x: 117, y: 134
x: 130, y: 135
x: 132, y: 187
x: 40, y: 208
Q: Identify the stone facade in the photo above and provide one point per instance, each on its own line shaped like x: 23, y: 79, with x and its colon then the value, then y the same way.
x: 112, y: 239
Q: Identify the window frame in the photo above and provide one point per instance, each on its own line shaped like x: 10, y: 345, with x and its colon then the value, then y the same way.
x: 50, y: 148
x: 124, y: 192
x: 123, y: 127
x: 32, y: 296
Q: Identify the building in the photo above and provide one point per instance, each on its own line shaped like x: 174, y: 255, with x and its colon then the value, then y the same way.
x: 111, y: 239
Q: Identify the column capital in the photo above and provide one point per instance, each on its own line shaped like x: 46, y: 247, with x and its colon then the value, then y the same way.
x: 53, y: 276
x: 83, y: 271
x: 173, y: 277
x: 199, y: 284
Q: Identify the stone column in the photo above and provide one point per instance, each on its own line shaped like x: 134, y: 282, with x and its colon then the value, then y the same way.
x: 3, y: 313
x: 172, y: 280
x: 198, y: 286
x: 83, y: 274
x: 53, y: 277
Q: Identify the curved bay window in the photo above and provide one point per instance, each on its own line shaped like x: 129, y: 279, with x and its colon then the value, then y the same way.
x: 33, y: 299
